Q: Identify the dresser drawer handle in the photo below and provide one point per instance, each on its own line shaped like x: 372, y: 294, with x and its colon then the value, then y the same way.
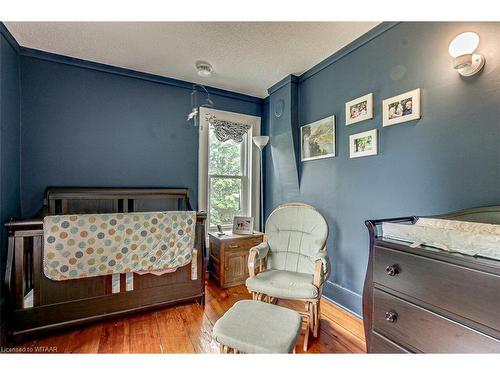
x: 233, y: 246
x: 391, y: 316
x: 392, y: 270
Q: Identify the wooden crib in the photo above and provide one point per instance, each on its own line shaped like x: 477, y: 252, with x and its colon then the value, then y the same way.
x: 36, y: 303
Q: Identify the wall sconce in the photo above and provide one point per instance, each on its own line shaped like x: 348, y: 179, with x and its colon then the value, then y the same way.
x: 462, y: 50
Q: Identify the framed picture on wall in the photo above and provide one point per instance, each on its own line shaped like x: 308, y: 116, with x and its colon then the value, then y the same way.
x: 359, y: 109
x: 317, y: 140
x: 401, y: 108
x: 363, y: 144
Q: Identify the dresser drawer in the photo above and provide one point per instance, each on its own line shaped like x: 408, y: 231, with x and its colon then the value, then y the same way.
x: 415, y: 327
x: 468, y: 293
x: 383, y: 345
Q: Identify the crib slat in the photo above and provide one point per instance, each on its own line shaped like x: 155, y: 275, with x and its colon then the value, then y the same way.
x: 123, y: 282
x: 64, y: 206
x: 19, y: 272
x: 9, y: 268
x: 37, y: 268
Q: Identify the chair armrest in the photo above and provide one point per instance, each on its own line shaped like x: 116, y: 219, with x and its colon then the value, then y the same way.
x: 322, y: 268
x: 258, y: 252
x: 261, y: 250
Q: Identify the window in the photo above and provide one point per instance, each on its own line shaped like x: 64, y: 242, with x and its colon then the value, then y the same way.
x: 228, y: 176
x: 228, y: 187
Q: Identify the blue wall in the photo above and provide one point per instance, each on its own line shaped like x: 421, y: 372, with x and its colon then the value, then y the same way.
x: 447, y: 160
x: 9, y: 143
x: 87, y: 127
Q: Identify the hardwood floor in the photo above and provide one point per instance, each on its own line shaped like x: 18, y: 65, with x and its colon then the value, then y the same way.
x: 187, y: 329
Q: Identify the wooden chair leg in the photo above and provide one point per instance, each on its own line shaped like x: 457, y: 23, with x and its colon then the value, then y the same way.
x: 311, y: 316
x: 307, y: 321
x: 316, y: 317
x: 306, y: 337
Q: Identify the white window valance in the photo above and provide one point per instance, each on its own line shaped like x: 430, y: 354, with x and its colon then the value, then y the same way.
x: 226, y: 130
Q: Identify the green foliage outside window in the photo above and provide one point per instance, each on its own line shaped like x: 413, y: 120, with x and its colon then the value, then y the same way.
x: 225, y: 200
x: 225, y: 192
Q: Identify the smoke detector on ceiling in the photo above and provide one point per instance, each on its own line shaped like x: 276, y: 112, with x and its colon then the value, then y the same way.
x: 204, y: 69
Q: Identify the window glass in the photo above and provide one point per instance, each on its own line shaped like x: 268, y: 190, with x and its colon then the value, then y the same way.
x: 225, y: 200
x: 225, y: 158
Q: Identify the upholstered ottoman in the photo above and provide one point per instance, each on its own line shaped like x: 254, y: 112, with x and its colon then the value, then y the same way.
x: 257, y: 327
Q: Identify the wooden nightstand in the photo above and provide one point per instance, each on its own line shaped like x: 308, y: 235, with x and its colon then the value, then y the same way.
x: 229, y: 257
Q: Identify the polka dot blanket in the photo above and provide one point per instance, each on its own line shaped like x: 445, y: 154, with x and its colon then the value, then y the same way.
x: 77, y: 246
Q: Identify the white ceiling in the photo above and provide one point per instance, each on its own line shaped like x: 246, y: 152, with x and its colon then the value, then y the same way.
x: 248, y: 57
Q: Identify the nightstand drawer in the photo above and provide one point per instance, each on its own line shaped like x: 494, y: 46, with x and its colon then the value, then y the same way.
x: 422, y: 330
x: 241, y: 244
x: 443, y: 285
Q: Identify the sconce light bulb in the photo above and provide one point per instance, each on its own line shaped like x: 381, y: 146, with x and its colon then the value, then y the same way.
x: 465, y: 61
x: 464, y: 44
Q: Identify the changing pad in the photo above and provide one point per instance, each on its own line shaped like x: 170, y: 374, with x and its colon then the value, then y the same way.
x: 476, y: 239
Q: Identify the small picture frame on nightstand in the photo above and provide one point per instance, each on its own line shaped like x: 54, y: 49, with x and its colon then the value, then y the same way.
x: 243, y: 225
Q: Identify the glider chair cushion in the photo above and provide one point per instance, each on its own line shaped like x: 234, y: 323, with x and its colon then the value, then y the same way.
x: 295, y: 234
x: 284, y: 284
x: 296, y: 237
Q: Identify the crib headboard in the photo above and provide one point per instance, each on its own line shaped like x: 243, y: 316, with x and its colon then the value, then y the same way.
x: 76, y: 200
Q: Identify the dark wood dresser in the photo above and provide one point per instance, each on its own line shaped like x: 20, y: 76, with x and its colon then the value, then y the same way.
x: 229, y: 257
x: 424, y: 300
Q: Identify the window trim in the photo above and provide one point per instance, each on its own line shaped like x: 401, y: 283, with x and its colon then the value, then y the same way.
x: 252, y: 154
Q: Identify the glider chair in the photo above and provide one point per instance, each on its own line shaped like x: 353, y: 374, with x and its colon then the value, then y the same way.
x: 293, y: 262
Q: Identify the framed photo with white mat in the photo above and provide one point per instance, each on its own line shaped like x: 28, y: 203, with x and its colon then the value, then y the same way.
x: 401, y: 108
x: 363, y: 144
x: 242, y: 225
x: 359, y: 109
